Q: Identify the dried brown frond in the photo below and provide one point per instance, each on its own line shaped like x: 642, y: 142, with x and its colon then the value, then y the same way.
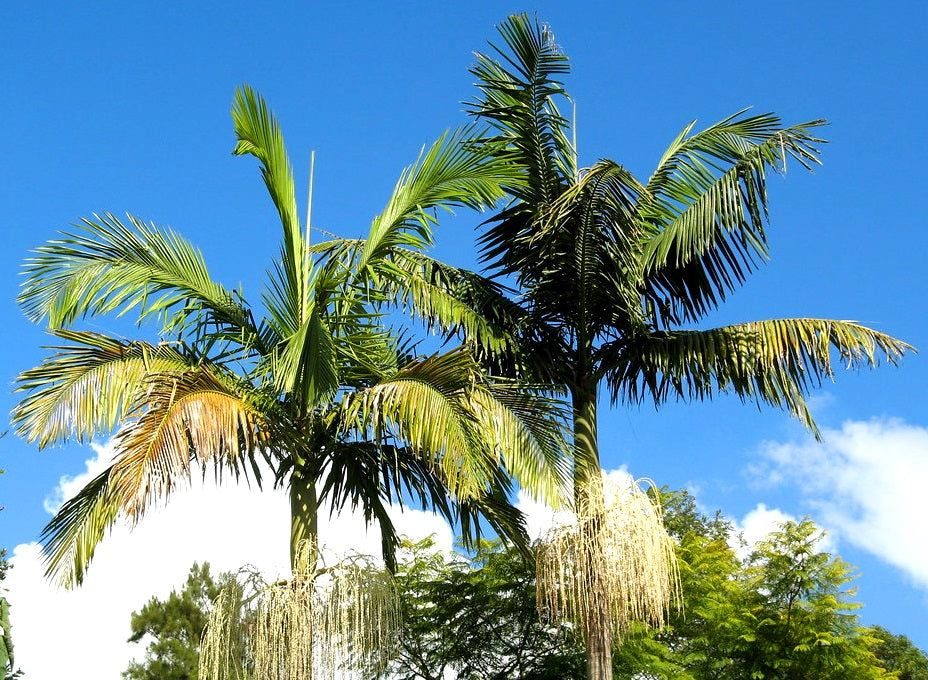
x: 614, y: 565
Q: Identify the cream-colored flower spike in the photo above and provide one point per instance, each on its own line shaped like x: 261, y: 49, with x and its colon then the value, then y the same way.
x: 614, y: 565
x: 330, y: 622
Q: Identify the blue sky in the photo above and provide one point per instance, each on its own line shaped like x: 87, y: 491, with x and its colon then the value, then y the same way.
x: 125, y: 107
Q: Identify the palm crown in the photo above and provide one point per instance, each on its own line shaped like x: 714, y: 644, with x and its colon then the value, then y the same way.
x: 317, y: 386
x: 610, y: 269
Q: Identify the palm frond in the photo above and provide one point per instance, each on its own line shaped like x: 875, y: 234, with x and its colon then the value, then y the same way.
x: 776, y: 362
x: 428, y: 406
x: 71, y: 537
x: 259, y: 134
x: 580, y: 265
x: 183, y: 416
x: 86, y: 387
x: 519, y: 88
x: 305, y: 365
x: 372, y: 474
x: 529, y: 428
x: 707, y: 205
x: 111, y: 267
x: 454, y: 171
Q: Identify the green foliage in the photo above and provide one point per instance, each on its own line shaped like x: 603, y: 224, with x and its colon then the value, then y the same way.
x: 475, y: 616
x: 786, y: 612
x: 6, y: 639
x: 613, y: 273
x: 175, y: 626
x: 6, y: 642
x: 801, y: 610
x: 898, y: 654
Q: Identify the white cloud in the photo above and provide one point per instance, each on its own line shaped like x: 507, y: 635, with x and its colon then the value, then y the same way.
x: 69, y: 486
x: 540, y: 518
x: 867, y: 483
x: 228, y: 525
x: 755, y: 526
x: 80, y: 634
x: 760, y: 522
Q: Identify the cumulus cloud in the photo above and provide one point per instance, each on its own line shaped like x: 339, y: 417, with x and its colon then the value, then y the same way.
x: 81, y: 633
x: 68, y: 486
x: 866, y: 483
x: 755, y: 526
x: 760, y: 522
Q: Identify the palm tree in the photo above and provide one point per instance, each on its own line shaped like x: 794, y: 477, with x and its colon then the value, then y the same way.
x: 311, y: 382
x: 614, y: 275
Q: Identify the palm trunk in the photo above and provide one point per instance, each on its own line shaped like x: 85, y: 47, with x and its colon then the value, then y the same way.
x: 597, y: 628
x: 304, y: 519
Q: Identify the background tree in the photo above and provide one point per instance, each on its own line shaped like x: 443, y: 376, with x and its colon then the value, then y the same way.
x: 788, y: 611
x: 899, y: 655
x: 801, y: 612
x: 7, y: 662
x: 474, y: 617
x: 175, y: 626
x: 6, y: 638
x: 615, y: 275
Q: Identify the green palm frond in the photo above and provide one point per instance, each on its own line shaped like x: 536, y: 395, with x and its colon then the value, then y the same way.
x: 372, y: 476
x: 87, y: 386
x: 109, y: 267
x: 453, y: 172
x: 429, y: 406
x: 71, y: 537
x: 451, y: 299
x: 259, y: 134
x: 528, y: 428
x: 519, y: 100
x: 707, y: 204
x: 580, y: 265
x: 776, y: 362
x: 305, y: 364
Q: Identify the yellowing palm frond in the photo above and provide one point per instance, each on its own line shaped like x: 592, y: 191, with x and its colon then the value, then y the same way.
x: 87, y: 386
x: 182, y: 416
x: 776, y: 361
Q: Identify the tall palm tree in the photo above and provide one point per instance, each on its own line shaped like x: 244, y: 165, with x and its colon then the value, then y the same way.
x: 615, y: 274
x: 311, y: 381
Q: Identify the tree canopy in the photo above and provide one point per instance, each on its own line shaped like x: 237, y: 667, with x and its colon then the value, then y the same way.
x: 308, y: 379
x: 174, y: 627
x: 788, y: 610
